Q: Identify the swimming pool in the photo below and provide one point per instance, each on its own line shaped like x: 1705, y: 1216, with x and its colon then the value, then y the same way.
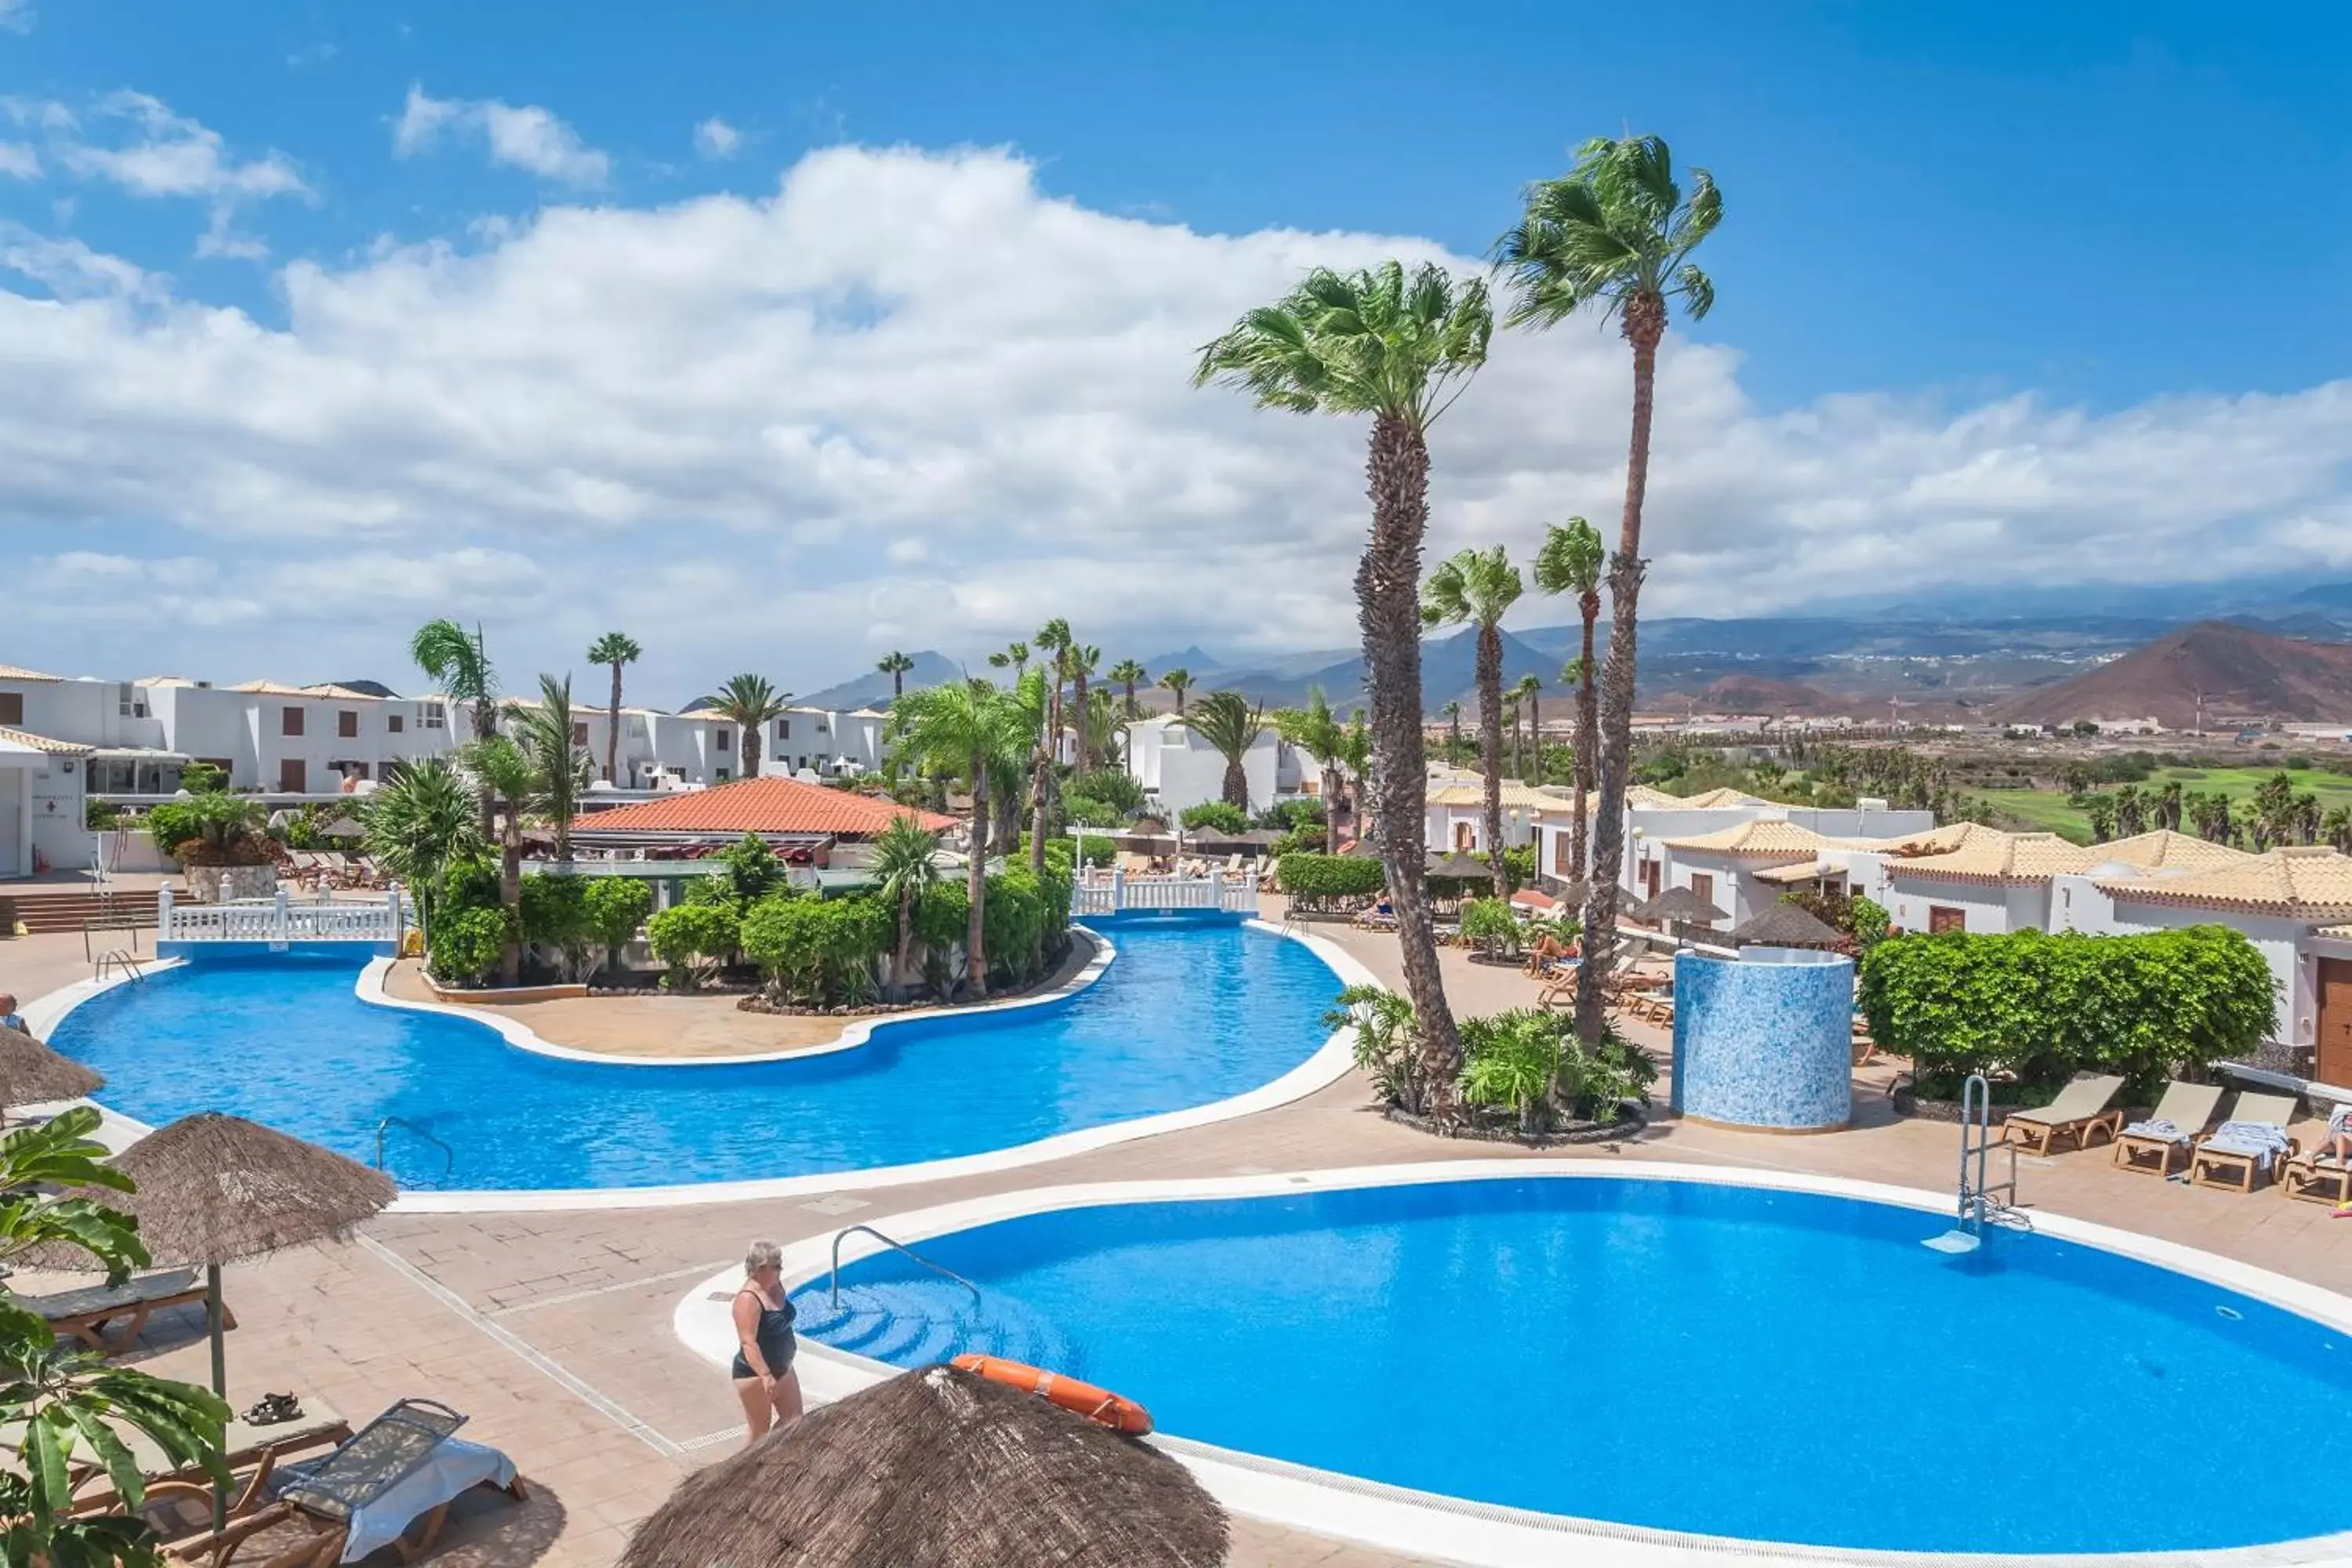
x: 1186, y: 1015
x: 1679, y: 1355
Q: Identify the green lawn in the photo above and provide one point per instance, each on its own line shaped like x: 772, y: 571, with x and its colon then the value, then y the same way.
x: 2048, y: 809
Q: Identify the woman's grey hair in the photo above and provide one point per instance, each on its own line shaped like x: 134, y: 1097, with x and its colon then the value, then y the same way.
x: 762, y: 1254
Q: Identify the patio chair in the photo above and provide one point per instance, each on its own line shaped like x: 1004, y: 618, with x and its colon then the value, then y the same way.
x: 2171, y: 1129
x: 2314, y: 1180
x: 250, y: 1453
x: 84, y: 1314
x: 2080, y: 1112
x: 2250, y: 1140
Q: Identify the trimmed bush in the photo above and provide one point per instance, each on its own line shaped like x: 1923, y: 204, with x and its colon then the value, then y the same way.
x: 467, y: 944
x: 211, y: 830
x: 2040, y: 1008
x: 613, y: 907
x: 693, y: 941
x: 1088, y: 812
x: 1490, y: 925
x: 1219, y: 814
x: 1323, y: 881
x: 819, y: 953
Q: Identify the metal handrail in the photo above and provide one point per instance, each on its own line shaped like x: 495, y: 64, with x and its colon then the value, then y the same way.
x: 116, y: 958
x: 898, y: 1246
x: 448, y: 1155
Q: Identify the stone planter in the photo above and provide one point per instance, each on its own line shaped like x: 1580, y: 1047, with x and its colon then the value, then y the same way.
x: 224, y: 884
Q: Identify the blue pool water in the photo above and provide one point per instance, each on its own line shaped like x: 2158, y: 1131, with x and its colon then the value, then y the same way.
x: 1186, y: 1015
x: 1726, y: 1360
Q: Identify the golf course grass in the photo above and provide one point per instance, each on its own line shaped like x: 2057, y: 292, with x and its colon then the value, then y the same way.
x: 2049, y: 810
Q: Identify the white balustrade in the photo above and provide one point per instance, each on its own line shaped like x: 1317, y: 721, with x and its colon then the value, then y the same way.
x: 1121, y: 893
x: 282, y: 919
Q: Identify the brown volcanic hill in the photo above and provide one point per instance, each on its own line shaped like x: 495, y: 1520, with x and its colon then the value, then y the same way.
x: 1750, y: 694
x: 2238, y: 670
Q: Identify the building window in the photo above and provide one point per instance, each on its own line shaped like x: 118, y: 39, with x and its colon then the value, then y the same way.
x: 431, y: 716
x: 129, y: 702
x: 1704, y: 885
x: 395, y: 722
x: 723, y: 775
x: 347, y: 725
x: 1943, y: 917
x: 721, y: 743
x: 289, y: 722
x: 579, y: 732
x: 783, y: 728
x: 1563, y: 859
x: 11, y: 707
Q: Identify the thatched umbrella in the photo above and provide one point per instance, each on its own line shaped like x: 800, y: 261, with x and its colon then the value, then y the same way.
x: 31, y: 1073
x: 1456, y: 866
x: 214, y: 1189
x: 1781, y: 924
x: 937, y: 1468
x: 1675, y: 905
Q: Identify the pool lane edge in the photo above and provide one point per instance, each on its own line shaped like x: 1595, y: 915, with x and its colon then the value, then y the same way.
x: 1454, y: 1530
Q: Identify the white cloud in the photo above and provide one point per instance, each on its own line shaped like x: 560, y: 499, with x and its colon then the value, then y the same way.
x: 714, y: 138
x: 909, y: 400
x: 16, y: 15
x: 527, y: 138
x: 170, y: 155
x: 19, y: 161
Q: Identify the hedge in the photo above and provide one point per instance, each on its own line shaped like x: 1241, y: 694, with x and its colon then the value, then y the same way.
x: 819, y: 951
x: 2039, y: 1007
x: 693, y: 941
x: 1316, y: 881
x: 466, y: 944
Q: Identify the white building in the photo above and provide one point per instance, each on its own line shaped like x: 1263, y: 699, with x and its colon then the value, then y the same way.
x: 825, y: 742
x: 1179, y: 770
x: 42, y: 822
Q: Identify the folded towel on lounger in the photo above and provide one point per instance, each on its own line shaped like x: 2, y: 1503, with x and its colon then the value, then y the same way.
x: 2261, y: 1139
x: 2154, y: 1127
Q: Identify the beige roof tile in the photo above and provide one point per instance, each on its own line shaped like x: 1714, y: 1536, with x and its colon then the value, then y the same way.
x: 1767, y: 836
x: 2311, y: 881
x: 279, y: 689
x: 1988, y: 855
x: 1718, y: 800
x: 16, y: 672
x: 1516, y: 796
x: 2162, y: 848
x: 42, y: 742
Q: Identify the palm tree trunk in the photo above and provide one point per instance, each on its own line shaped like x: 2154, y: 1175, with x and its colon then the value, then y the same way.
x: 1587, y: 727
x: 1236, y: 783
x: 1387, y: 601
x: 613, y: 730
x: 1644, y: 324
x: 1490, y: 748
x: 510, y: 896
x: 906, y: 940
x: 1040, y: 784
x: 1086, y: 729
x: 975, y: 886
x: 751, y: 751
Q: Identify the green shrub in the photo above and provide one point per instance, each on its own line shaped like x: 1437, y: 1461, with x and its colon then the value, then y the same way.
x: 2041, y: 1008
x: 470, y: 884
x: 819, y: 953
x: 613, y: 907
x: 1322, y: 881
x: 1097, y: 850
x: 1290, y: 815
x: 203, y: 778
x: 210, y: 830
x: 466, y: 944
x: 1868, y: 920
x: 1385, y: 1039
x: 1519, y: 867
x: 555, y: 915
x: 1088, y: 812
x: 1114, y: 787
x: 1491, y: 925
x: 693, y: 941
x: 1311, y: 840
x: 751, y: 868
x: 1217, y: 814
x: 100, y: 815
x: 1528, y: 1060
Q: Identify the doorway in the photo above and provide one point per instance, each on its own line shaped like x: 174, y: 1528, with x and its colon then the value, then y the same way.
x: 2333, y: 1031
x: 293, y: 777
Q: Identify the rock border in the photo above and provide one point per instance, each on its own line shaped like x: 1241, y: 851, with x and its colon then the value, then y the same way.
x: 1632, y: 1121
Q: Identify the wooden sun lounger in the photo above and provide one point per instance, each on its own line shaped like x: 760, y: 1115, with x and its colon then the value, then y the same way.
x: 2307, y: 1177
x: 84, y: 1314
x: 2080, y: 1112
x: 2235, y: 1172
x: 2188, y: 1106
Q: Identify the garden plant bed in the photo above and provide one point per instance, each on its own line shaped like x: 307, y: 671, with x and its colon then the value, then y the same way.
x: 1908, y: 1103
x: 1504, y: 1128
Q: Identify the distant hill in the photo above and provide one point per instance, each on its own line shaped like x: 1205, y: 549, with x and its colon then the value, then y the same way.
x: 873, y: 688
x: 1195, y: 660
x: 1756, y: 694
x: 2239, y: 671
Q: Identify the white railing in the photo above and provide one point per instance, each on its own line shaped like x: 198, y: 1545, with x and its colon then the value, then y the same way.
x: 282, y: 920
x: 1120, y: 892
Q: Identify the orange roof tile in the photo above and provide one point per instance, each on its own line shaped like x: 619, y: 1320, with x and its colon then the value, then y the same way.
x: 765, y: 806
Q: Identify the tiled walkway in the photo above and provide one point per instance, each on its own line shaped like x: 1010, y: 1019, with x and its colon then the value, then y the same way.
x: 553, y: 1330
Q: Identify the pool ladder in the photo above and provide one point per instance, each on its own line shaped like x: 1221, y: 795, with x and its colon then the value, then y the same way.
x: 119, y: 961
x: 1980, y: 1201
x: 448, y: 1155
x: 895, y: 1246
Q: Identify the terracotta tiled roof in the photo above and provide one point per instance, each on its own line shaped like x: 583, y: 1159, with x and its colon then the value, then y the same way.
x: 1516, y: 796
x: 15, y: 672
x: 42, y: 743
x: 2163, y: 848
x: 2309, y: 881
x: 1769, y: 837
x: 765, y: 806
x: 1987, y: 856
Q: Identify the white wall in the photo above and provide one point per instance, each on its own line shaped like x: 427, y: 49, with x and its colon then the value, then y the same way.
x: 1986, y: 906
x: 823, y: 741
x: 1734, y: 886
x: 1181, y: 769
x: 59, y: 835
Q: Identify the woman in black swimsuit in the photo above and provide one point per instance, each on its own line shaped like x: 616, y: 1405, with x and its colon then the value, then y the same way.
x: 764, y: 1379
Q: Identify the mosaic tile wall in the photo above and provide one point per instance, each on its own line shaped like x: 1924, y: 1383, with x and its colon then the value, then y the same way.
x: 1765, y: 1041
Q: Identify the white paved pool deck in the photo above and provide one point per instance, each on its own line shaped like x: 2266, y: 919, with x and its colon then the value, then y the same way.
x: 553, y: 1328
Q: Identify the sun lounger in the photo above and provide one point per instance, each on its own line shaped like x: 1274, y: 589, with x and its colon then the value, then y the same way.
x: 2248, y: 1144
x: 84, y: 1314
x: 402, y: 1470
x: 2170, y: 1131
x: 252, y: 1454
x: 2080, y: 1112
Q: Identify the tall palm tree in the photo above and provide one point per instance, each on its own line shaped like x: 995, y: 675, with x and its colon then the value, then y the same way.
x: 1014, y: 656
x: 895, y: 665
x: 1083, y: 658
x: 973, y: 728
x: 1053, y: 637
x: 1569, y: 561
x: 419, y: 821
x: 1453, y: 712
x: 750, y: 704
x: 459, y: 662
x: 1477, y: 588
x: 1314, y: 729
x: 1617, y: 232
x: 544, y: 734
x: 613, y: 648
x: 1178, y: 680
x: 1528, y: 693
x: 500, y: 766
x: 1129, y: 673
x: 902, y: 866
x: 1230, y: 726
x: 1400, y: 348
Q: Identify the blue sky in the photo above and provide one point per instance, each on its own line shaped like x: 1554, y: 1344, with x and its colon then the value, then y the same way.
x: 1986, y: 272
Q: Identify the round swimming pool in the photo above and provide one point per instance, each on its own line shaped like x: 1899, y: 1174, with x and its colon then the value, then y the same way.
x: 1186, y: 1016
x: 1679, y: 1355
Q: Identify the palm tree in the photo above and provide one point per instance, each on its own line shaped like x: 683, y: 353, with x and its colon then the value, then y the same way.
x: 420, y: 820
x: 545, y: 736
x: 1129, y: 673
x: 902, y: 866
x: 1400, y: 348
x: 1083, y: 658
x: 459, y: 662
x: 1232, y: 727
x: 895, y: 665
x: 2167, y: 805
x: 1178, y: 680
x: 973, y: 728
x: 500, y: 767
x: 1477, y: 588
x: 1453, y: 712
x: 1617, y: 232
x: 613, y: 648
x: 1528, y: 693
x: 1314, y: 729
x: 1569, y: 563
x: 1054, y: 638
x: 1014, y: 656
x: 750, y: 704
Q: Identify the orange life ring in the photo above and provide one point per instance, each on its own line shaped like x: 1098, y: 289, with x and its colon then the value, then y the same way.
x: 1097, y: 1404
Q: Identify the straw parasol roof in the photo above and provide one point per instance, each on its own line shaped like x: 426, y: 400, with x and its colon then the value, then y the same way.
x: 1677, y: 904
x: 32, y: 1074
x: 937, y: 1468
x: 1458, y: 868
x: 1781, y: 924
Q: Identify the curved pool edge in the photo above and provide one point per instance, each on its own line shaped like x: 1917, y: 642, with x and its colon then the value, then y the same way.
x: 854, y: 1034
x: 1461, y: 1531
x: 1331, y: 1062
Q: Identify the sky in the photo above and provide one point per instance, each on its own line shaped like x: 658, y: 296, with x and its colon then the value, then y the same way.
x: 780, y: 336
